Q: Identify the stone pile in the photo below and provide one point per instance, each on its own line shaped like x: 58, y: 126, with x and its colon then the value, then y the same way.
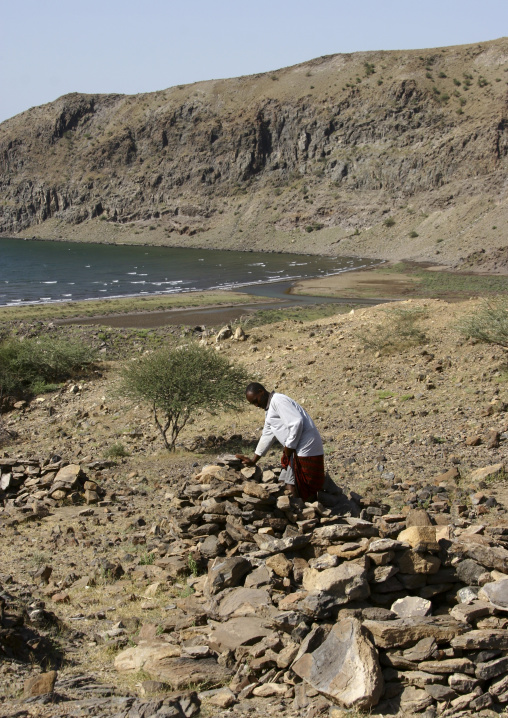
x: 314, y: 602
x: 446, y: 494
x: 34, y: 485
x: 23, y: 628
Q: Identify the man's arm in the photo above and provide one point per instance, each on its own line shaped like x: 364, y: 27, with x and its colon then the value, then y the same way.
x: 293, y: 421
x: 266, y: 440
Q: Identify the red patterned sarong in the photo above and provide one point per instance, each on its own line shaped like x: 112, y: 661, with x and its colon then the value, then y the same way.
x: 309, y: 473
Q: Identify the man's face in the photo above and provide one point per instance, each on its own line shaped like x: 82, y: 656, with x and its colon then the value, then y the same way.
x: 258, y: 399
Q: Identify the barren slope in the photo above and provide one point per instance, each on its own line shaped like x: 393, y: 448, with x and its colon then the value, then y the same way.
x: 398, y: 154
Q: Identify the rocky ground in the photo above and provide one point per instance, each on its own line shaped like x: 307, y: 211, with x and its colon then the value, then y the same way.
x: 123, y: 565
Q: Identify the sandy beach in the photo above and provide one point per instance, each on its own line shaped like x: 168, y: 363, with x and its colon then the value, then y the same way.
x: 364, y: 284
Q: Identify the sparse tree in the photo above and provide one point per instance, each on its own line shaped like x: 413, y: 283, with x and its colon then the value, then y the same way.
x: 176, y: 383
x: 489, y: 323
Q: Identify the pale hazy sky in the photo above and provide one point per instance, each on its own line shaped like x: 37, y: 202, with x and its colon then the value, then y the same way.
x: 50, y: 47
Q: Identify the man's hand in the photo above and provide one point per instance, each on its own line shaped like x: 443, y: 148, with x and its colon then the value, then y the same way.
x: 289, y: 452
x: 246, y: 460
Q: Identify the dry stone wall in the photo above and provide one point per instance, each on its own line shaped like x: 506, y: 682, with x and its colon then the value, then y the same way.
x: 303, y: 598
x: 308, y: 602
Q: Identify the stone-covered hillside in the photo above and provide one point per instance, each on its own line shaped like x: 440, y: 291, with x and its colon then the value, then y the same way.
x: 138, y: 584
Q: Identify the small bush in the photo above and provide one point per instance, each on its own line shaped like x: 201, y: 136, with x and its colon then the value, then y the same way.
x: 314, y: 227
x: 489, y: 323
x: 400, y: 331
x: 32, y: 366
x: 389, y: 222
x: 413, y: 234
x: 116, y: 451
x: 193, y: 565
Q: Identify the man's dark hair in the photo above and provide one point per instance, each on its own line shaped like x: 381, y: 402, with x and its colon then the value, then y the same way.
x: 254, y: 388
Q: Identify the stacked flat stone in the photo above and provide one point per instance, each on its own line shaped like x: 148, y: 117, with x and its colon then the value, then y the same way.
x: 307, y: 599
x: 32, y: 484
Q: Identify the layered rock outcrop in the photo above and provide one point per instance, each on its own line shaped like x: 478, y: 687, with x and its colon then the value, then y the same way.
x: 335, y: 143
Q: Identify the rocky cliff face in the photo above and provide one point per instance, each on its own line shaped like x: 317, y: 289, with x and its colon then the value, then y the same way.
x: 377, y: 153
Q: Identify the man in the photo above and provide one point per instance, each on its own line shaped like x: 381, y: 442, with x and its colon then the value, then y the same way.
x: 288, y: 422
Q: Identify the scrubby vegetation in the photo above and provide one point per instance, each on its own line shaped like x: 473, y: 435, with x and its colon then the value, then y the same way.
x: 489, y: 323
x: 32, y: 366
x: 400, y: 331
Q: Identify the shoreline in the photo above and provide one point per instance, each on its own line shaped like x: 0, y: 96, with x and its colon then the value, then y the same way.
x: 382, y: 283
x: 156, y: 318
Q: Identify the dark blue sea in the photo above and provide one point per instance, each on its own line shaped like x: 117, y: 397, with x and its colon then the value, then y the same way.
x: 45, y: 271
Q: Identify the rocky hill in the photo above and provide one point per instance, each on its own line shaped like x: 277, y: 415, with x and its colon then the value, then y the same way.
x: 138, y: 584
x: 399, y: 154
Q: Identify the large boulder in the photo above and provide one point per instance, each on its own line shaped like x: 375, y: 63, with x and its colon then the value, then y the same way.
x: 479, y: 640
x: 39, y: 685
x: 486, y: 472
x: 403, y: 632
x: 496, y: 593
x: 418, y: 517
x: 470, y: 572
x: 226, y: 573
x: 235, y: 602
x: 345, y: 668
x: 412, y: 606
x: 225, y: 333
x: 413, y: 563
x: 348, y: 581
x: 183, y: 672
x: 68, y: 477
x: 273, y: 545
x: 420, y: 538
x: 489, y: 556
x: 145, y: 656
x: 237, y: 632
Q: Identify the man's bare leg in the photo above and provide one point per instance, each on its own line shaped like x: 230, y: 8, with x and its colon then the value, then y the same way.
x: 292, y: 490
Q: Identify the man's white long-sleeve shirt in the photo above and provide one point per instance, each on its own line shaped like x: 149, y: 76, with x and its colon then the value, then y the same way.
x: 290, y: 424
